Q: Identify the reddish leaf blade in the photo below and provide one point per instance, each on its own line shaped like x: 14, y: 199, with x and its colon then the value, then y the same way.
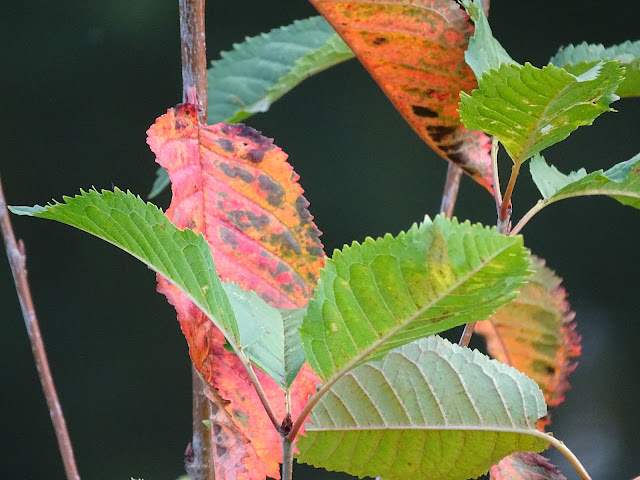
x: 234, y: 186
x: 525, y: 466
x: 536, y: 334
x: 414, y: 50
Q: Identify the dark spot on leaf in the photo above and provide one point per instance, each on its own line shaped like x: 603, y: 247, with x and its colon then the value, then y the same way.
x: 301, y: 208
x: 216, y: 429
x: 550, y: 369
x: 191, y: 224
x: 236, y: 172
x: 220, y: 450
x: 459, y: 158
x: 251, y: 134
x: 228, y: 237
x: 454, y: 147
x: 281, y: 268
x: 225, y: 144
x: 245, y: 220
x: 438, y: 132
x: 315, y: 251
x: 228, y: 128
x: 255, y: 155
x: 421, y: 111
x: 286, y: 238
x: 380, y: 40
x: 275, y: 193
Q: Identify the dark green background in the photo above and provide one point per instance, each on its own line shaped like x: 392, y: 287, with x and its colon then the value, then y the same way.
x: 83, y: 80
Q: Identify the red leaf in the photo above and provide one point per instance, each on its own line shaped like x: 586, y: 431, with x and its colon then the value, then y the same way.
x: 536, y: 334
x: 525, y: 466
x: 234, y: 186
x: 414, y: 50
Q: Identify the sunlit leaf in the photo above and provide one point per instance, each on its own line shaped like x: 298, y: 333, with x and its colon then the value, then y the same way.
x: 233, y: 185
x: 141, y: 229
x: 530, y: 109
x: 577, y: 59
x: 414, y: 50
x: 525, y: 466
x: 430, y: 410
x: 384, y: 293
x: 535, y: 333
x: 621, y: 182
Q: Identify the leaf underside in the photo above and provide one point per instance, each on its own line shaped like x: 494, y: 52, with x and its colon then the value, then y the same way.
x: 429, y: 410
x: 260, y: 70
x: 530, y: 109
x: 268, y: 336
x: 235, y: 186
x: 414, y: 50
x: 577, y: 59
x: 384, y: 293
x: 535, y: 333
x: 621, y: 182
x: 484, y: 52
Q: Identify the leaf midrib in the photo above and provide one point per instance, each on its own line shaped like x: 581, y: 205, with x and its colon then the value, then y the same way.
x: 369, y: 351
x: 530, y: 140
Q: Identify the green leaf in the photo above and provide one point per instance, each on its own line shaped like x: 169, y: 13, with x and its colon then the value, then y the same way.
x: 294, y: 356
x: 258, y: 71
x: 387, y: 292
x: 429, y: 410
x: 621, y: 182
x: 268, y: 336
x: 142, y: 230
x: 530, y: 109
x: 484, y: 52
x: 577, y: 59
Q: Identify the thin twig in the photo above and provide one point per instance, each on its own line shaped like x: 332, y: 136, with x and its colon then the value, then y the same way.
x: 194, y: 54
x: 528, y: 216
x: 258, y: 387
x: 504, y: 216
x: 194, y: 89
x: 465, y: 338
x: 450, y: 194
x: 495, y: 174
x: 18, y: 262
x: 569, y: 455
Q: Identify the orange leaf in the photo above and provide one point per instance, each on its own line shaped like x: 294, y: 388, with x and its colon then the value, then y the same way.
x: 234, y: 186
x: 414, y: 50
x: 525, y: 466
x: 536, y: 334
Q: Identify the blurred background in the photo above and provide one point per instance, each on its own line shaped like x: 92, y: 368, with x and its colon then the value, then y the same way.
x: 82, y: 82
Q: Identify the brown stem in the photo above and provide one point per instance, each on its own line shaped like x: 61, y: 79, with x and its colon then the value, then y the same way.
x: 18, y: 262
x: 194, y: 89
x: 287, y: 458
x: 504, y: 217
x: 465, y: 338
x: 194, y: 54
x: 450, y: 194
x: 199, y: 455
